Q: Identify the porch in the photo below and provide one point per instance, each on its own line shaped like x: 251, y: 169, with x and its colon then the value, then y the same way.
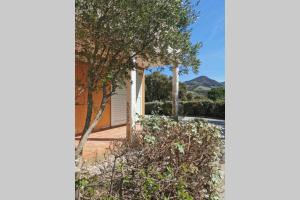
x: 98, y: 142
x: 123, y: 109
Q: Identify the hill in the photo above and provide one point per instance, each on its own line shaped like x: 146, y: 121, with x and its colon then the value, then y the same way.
x: 202, y: 84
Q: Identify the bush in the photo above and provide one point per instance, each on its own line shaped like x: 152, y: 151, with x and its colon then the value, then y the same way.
x: 218, y: 109
x: 167, y: 160
x: 216, y: 93
x: 201, y: 108
x: 159, y: 108
x: 197, y: 108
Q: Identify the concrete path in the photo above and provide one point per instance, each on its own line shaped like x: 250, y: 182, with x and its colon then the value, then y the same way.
x: 98, y: 142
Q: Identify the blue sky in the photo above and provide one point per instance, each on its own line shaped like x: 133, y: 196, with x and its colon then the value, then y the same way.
x: 210, y: 30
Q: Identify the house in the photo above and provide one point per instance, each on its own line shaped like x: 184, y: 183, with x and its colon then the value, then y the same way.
x: 123, y: 107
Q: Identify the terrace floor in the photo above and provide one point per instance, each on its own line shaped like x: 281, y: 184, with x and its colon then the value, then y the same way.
x: 98, y: 142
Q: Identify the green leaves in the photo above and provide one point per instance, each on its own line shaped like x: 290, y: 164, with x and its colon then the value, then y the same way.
x: 216, y: 94
x: 109, y: 32
x: 169, y: 172
x: 149, y: 139
x: 182, y: 192
x: 196, y: 108
x: 175, y: 161
x: 179, y: 147
x: 164, y: 83
x: 81, y: 183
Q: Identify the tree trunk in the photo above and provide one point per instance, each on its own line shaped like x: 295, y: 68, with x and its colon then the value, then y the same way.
x: 86, y: 134
x: 77, y: 194
x: 89, y: 110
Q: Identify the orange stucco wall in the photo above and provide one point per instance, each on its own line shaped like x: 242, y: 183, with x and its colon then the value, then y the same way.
x: 81, y: 101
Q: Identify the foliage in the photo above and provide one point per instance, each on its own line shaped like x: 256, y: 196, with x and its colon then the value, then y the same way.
x: 159, y: 88
x: 196, y: 108
x: 166, y: 160
x: 216, y: 93
x: 189, y: 96
x: 182, y: 93
x: 158, y: 108
x: 112, y: 35
x: 200, y: 97
x: 109, y: 33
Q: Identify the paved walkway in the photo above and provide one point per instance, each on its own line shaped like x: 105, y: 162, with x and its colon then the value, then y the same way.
x: 98, y: 142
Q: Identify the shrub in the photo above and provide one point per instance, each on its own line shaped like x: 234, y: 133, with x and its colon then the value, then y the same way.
x: 216, y: 93
x: 200, y: 108
x: 197, y: 108
x: 166, y: 160
x: 159, y: 108
x: 200, y: 97
x: 218, y: 109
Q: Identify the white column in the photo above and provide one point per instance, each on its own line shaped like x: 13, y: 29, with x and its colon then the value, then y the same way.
x: 128, y: 110
x: 175, y: 90
x: 131, y: 103
x: 133, y: 96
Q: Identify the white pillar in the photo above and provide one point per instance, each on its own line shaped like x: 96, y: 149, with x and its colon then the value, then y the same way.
x: 175, y: 91
x: 128, y: 110
x: 131, y: 103
x: 133, y: 96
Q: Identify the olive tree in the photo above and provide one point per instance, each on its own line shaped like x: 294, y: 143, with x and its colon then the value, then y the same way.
x: 111, y: 34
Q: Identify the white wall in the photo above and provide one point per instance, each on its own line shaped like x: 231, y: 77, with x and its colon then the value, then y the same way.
x: 119, y: 107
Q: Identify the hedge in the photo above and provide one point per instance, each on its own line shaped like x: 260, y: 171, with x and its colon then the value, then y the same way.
x: 202, y: 108
x: 165, y: 160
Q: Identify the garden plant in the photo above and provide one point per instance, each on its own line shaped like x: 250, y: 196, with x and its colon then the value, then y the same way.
x: 165, y: 160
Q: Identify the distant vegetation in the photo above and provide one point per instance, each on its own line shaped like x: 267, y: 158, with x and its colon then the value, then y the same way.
x: 197, y: 108
x: 216, y: 93
x: 159, y: 88
x: 202, y: 96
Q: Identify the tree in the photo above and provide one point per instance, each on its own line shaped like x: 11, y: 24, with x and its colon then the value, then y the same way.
x: 189, y: 96
x: 159, y: 87
x: 112, y: 34
x: 216, y: 93
x: 182, y: 92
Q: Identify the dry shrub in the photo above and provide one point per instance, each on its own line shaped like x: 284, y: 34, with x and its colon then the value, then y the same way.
x: 166, y: 160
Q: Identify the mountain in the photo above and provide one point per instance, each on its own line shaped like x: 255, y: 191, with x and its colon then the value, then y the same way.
x: 202, y: 84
